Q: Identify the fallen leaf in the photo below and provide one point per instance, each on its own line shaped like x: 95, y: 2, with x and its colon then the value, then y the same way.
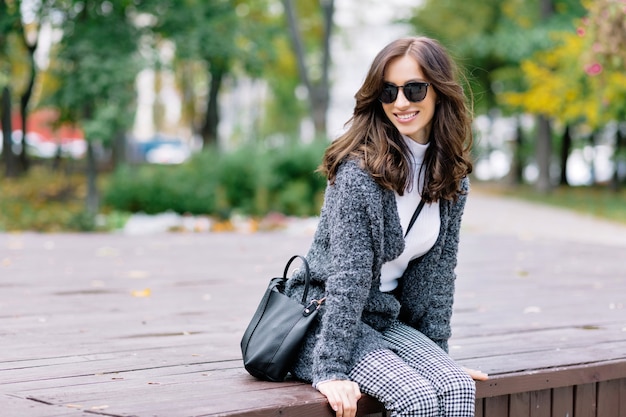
x: 99, y: 407
x: 141, y: 293
x: 73, y: 406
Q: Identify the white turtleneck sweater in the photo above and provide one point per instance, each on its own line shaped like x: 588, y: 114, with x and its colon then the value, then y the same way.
x: 425, y: 230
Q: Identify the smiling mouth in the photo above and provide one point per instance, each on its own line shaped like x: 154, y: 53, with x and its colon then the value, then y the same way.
x: 405, y: 117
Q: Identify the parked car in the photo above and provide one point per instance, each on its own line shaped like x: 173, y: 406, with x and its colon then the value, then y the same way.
x: 159, y: 150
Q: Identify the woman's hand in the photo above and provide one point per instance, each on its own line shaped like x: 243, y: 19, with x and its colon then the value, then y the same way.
x: 476, y: 375
x: 342, y: 396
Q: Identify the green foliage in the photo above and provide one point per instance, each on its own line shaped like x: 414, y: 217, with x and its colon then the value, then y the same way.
x: 293, y: 181
x: 44, y: 201
x: 96, y: 64
x: 250, y: 180
x: 490, y: 38
x: 155, y: 189
x: 597, y: 201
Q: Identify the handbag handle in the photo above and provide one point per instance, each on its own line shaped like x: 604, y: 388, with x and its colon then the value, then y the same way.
x: 307, y: 275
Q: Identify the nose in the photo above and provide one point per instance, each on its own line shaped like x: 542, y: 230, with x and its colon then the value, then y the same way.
x: 401, y: 100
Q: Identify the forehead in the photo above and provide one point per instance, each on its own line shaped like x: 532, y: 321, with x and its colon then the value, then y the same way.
x: 402, y: 69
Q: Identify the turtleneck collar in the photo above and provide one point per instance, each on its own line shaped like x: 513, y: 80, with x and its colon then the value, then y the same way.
x: 418, y: 150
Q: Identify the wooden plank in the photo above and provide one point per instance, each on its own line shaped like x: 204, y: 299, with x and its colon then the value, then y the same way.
x: 13, y: 406
x: 550, y: 378
x: 622, y: 397
x: 585, y: 400
x: 608, y: 398
x: 84, y: 339
x: 519, y: 405
x: 541, y: 403
x: 563, y: 402
x: 540, y: 359
x: 479, y: 408
x: 496, y: 406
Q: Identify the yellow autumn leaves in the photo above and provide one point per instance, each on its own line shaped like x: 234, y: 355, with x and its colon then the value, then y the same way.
x: 577, y: 80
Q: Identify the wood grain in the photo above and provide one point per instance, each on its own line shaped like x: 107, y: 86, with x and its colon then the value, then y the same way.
x: 150, y: 326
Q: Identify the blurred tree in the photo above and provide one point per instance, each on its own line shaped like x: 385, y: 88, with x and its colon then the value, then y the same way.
x: 314, y: 75
x: 19, y: 34
x: 221, y: 37
x: 7, y: 17
x: 579, y: 80
x: 8, y: 157
x: 604, y: 30
x: 491, y: 38
x: 95, y: 70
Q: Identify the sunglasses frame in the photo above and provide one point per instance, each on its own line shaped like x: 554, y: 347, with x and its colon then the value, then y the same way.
x: 397, y: 89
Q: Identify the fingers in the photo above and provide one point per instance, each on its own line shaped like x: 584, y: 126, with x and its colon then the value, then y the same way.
x: 476, y: 375
x: 342, y: 396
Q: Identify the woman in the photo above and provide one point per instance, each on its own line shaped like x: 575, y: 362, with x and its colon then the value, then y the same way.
x: 384, y: 326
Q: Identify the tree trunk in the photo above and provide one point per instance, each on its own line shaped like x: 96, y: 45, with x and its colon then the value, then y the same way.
x: 11, y: 169
x: 92, y: 202
x: 26, y: 96
x: 211, y: 121
x: 319, y: 92
x: 516, y: 174
x: 619, y: 145
x: 544, y: 131
x: 592, y: 163
x: 544, y: 154
x: 322, y: 96
x: 566, y: 146
x: 118, y: 150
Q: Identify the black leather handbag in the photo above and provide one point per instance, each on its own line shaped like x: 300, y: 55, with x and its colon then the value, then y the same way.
x: 272, y: 339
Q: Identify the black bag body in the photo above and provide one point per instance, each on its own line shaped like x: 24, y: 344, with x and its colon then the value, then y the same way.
x: 272, y: 339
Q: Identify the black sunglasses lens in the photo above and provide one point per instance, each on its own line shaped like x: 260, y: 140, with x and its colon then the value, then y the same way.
x: 415, y: 91
x: 389, y: 94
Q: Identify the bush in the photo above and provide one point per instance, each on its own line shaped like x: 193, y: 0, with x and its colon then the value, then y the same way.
x: 44, y: 200
x: 250, y: 180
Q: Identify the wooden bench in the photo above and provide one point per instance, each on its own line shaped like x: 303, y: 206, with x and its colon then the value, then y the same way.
x: 150, y: 326
x: 590, y: 389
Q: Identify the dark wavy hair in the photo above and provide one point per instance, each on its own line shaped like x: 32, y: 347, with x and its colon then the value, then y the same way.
x: 372, y: 138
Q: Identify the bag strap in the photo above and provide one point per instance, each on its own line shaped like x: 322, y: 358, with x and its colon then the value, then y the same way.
x: 307, y: 275
x: 414, y: 217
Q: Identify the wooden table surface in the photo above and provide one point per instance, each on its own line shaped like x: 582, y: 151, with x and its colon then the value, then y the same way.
x: 117, y: 325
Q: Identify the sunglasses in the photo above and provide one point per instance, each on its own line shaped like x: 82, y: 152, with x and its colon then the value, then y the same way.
x: 413, y: 91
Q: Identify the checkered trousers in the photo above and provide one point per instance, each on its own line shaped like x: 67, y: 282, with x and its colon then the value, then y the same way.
x: 415, y: 377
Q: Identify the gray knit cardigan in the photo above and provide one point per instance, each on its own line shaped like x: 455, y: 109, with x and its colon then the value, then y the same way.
x: 358, y: 231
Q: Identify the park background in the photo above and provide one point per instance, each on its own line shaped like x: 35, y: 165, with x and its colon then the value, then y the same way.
x: 221, y: 109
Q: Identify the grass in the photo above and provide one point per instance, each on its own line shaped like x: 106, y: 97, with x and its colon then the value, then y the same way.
x: 48, y: 200
x: 598, y: 201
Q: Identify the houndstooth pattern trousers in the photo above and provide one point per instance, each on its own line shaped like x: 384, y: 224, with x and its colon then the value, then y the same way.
x: 415, y: 377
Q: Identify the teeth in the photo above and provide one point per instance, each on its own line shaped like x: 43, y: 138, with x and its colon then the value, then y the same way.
x: 406, y: 116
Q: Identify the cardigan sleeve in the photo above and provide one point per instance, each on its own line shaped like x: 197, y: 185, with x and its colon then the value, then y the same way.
x: 348, y: 207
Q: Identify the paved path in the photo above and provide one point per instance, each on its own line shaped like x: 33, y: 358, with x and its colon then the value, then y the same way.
x: 489, y: 215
